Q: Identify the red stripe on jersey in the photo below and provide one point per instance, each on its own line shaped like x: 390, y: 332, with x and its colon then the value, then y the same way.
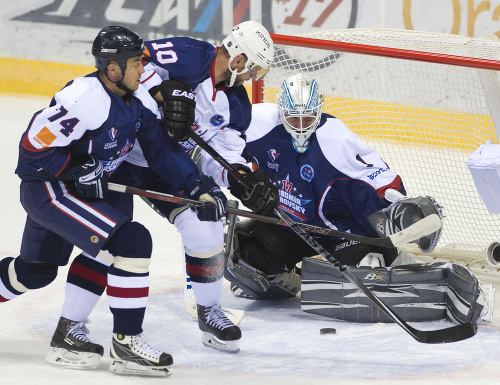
x: 145, y: 80
x: 26, y: 144
x: 396, y: 184
x: 3, y: 299
x: 88, y: 274
x: 64, y: 165
x: 128, y: 292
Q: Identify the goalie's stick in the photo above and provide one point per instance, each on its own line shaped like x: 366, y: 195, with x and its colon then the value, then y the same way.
x: 451, y: 334
x: 426, y: 226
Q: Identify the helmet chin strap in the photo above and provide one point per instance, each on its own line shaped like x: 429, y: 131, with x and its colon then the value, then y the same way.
x: 234, y: 72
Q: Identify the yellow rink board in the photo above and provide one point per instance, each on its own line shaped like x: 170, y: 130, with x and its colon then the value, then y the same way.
x: 397, y: 123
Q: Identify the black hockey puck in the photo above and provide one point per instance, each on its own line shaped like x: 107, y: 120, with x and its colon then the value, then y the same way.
x: 327, y: 331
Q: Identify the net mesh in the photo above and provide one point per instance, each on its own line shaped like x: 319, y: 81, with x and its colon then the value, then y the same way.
x: 424, y: 118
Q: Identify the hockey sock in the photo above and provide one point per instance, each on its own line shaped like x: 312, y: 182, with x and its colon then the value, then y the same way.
x: 7, y: 290
x: 87, y: 279
x: 207, y: 294
x: 128, y: 297
x: 128, y: 277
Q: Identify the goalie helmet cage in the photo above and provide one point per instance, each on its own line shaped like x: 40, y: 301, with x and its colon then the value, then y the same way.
x: 416, y: 97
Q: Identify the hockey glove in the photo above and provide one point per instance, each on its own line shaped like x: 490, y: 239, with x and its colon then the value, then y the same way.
x: 90, y: 178
x: 263, y: 198
x: 206, y: 190
x: 178, y: 109
x: 404, y: 213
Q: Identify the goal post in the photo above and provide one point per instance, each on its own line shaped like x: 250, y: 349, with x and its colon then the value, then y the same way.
x: 417, y: 98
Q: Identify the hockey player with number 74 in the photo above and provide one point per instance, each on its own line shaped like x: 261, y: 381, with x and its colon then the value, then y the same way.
x: 66, y: 156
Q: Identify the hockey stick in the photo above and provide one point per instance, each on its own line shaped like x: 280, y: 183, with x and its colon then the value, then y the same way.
x: 426, y: 226
x: 451, y: 334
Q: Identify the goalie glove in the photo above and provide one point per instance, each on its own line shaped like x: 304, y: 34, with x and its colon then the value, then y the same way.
x: 90, y: 178
x: 178, y: 109
x: 206, y: 190
x: 405, y: 212
x: 263, y: 198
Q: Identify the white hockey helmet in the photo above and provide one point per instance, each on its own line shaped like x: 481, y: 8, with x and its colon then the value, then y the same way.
x: 300, y: 102
x: 253, y: 40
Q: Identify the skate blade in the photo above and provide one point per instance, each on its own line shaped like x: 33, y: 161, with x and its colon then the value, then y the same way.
x: 73, y: 360
x: 226, y: 346
x: 131, y: 368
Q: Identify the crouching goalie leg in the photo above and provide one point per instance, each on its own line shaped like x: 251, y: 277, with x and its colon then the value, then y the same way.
x: 252, y: 282
x: 404, y: 212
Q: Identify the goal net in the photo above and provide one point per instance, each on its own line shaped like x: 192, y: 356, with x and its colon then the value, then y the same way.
x: 417, y: 98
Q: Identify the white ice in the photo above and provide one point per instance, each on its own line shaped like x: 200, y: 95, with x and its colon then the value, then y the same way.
x: 280, y: 344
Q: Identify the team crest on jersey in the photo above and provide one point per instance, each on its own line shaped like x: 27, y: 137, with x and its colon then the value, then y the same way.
x: 307, y: 172
x: 216, y: 120
x: 273, y: 154
x: 112, y: 133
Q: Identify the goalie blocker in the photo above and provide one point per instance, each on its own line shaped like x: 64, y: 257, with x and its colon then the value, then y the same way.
x: 415, y: 292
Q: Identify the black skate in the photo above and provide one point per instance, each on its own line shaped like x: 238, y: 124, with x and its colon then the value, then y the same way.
x: 218, y: 331
x: 134, y: 355
x: 71, y: 347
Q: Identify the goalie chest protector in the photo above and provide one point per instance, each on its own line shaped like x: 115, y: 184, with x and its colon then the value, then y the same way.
x: 414, y: 292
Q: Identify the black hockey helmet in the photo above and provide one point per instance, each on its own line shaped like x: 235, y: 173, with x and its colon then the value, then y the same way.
x: 118, y: 44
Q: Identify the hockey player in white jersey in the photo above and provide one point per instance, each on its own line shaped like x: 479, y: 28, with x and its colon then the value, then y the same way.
x: 222, y: 114
x: 326, y: 177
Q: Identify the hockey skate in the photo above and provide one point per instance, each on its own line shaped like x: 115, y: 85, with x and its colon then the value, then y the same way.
x: 133, y: 355
x: 218, y: 331
x: 71, y: 347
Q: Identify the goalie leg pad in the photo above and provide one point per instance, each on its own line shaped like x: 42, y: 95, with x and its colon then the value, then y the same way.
x: 415, y: 292
x: 252, y: 278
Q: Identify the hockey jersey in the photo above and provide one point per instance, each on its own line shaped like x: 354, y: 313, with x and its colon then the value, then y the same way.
x: 222, y: 114
x: 336, y: 183
x: 87, y: 118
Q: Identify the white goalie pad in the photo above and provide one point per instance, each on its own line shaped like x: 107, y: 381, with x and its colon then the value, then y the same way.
x: 415, y: 292
x: 484, y: 165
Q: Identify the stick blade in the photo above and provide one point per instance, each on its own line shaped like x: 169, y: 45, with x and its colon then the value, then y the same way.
x: 442, y: 336
x: 423, y: 227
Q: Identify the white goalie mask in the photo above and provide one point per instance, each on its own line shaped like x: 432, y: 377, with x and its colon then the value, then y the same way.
x: 300, y: 102
x: 253, y: 40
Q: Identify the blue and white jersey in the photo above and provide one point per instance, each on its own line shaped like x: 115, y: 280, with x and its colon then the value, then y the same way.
x: 222, y: 114
x: 336, y: 183
x: 86, y: 118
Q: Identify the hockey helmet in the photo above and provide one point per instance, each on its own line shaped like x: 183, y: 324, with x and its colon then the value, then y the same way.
x: 300, y: 102
x: 118, y: 44
x: 253, y: 40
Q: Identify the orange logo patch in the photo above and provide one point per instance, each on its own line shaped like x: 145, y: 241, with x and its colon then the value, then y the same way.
x: 44, y: 138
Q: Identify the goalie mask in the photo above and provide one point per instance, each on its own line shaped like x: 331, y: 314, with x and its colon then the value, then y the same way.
x: 253, y: 40
x: 300, y: 102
